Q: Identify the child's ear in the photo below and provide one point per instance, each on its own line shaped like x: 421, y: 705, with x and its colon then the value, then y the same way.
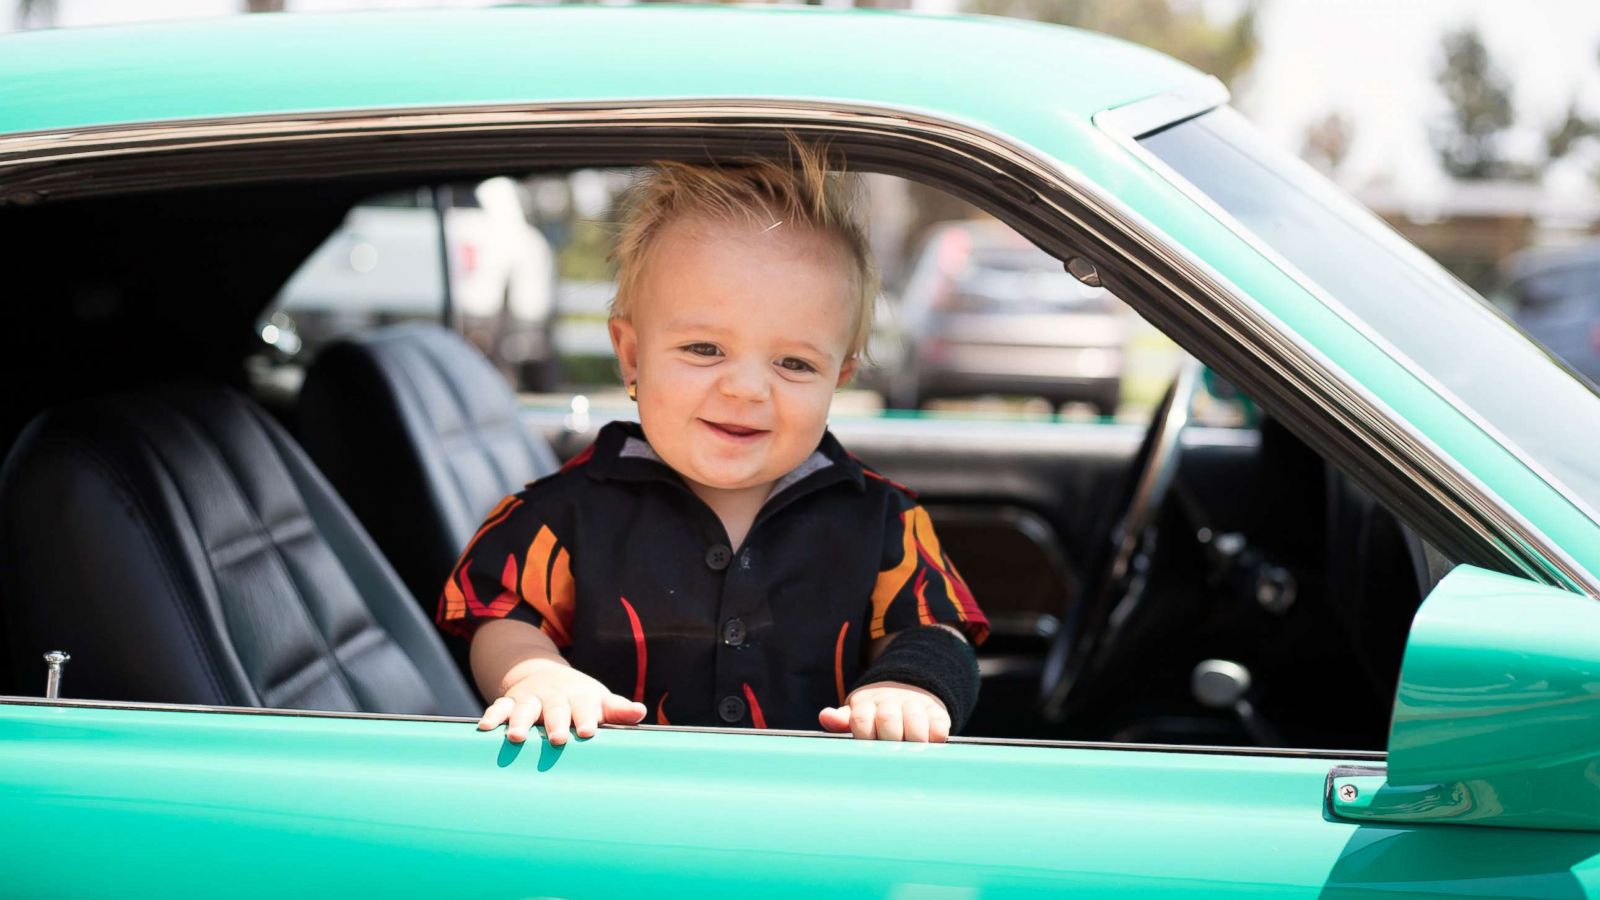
x: 845, y: 371
x: 625, y: 341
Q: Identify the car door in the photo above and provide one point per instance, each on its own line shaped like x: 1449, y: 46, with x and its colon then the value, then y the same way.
x: 103, y: 800
x: 107, y: 801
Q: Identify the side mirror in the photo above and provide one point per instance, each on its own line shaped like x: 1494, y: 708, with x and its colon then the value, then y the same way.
x: 1497, y: 718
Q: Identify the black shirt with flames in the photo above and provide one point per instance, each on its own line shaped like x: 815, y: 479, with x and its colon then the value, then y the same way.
x: 631, y: 575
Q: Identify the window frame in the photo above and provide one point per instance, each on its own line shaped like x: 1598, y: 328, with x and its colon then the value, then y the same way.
x: 1040, y: 197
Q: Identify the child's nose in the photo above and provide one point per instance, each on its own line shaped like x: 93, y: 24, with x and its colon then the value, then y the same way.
x: 745, y: 381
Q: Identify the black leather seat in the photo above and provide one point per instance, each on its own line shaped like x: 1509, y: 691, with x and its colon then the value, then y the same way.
x: 422, y: 437
x: 183, y: 549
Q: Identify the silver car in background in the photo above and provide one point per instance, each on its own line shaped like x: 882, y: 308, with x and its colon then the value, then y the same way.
x: 1555, y: 295
x: 986, y: 312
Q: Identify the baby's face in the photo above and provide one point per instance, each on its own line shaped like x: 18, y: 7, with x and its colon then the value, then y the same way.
x: 737, y: 341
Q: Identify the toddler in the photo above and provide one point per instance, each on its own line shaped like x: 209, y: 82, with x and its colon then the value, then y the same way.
x: 724, y: 561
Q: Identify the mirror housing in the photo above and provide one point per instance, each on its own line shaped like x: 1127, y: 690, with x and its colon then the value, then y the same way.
x: 1497, y: 717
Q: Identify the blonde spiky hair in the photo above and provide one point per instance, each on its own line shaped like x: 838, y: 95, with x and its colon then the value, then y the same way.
x: 761, y: 192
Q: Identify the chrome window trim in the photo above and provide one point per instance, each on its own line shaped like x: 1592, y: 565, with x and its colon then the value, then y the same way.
x: 1204, y: 749
x: 1228, y: 310
x: 1128, y: 124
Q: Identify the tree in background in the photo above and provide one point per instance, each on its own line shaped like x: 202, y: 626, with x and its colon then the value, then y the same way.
x: 42, y: 13
x: 1574, y: 131
x: 34, y: 14
x: 1479, y: 94
x: 1327, y: 143
x: 1574, y: 128
x: 1180, y: 28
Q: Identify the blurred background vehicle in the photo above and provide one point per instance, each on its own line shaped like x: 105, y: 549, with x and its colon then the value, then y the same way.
x: 383, y: 264
x: 1555, y: 296
x: 986, y: 312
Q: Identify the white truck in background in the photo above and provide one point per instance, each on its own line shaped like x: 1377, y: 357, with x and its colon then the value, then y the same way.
x: 382, y: 265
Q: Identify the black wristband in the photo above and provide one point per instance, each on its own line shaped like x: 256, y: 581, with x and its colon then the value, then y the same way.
x: 936, y: 660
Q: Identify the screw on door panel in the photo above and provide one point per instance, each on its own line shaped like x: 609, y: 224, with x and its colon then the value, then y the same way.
x: 1348, y: 792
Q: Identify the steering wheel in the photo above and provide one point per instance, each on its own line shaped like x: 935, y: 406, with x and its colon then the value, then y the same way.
x: 1118, y: 552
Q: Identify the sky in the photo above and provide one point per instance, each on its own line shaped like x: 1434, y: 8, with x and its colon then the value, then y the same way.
x: 1374, y: 61
x: 1371, y: 60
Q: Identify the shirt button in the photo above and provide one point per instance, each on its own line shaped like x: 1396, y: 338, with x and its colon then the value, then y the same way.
x: 719, y: 556
x: 733, y: 632
x: 731, y: 709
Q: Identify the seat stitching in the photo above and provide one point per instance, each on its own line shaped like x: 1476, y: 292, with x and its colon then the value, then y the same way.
x: 233, y: 552
x: 299, y: 595
x: 483, y: 448
x: 188, y: 615
x: 301, y: 680
x: 370, y: 622
x: 364, y: 641
x: 416, y: 392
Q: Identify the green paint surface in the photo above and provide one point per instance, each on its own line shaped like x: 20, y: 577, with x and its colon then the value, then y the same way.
x: 1497, y: 719
x: 309, y: 62
x: 143, y: 803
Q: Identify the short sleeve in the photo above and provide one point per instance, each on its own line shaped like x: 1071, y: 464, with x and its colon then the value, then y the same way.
x: 514, y: 566
x: 917, y: 583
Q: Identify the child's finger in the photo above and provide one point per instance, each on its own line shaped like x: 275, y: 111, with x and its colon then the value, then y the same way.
x: 938, y: 724
x: 585, y: 716
x: 863, y: 716
x: 496, y: 713
x: 557, y: 718
x: 888, y: 721
x: 915, y: 717
x: 523, y: 715
x: 619, y: 710
x: 834, y: 718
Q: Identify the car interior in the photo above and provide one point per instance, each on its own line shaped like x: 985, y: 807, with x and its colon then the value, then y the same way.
x: 190, y: 532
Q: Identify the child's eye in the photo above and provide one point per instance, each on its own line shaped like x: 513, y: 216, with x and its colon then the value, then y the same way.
x: 796, y: 365
x: 701, y: 348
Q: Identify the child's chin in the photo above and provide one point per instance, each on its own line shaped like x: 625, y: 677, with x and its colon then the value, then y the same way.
x: 723, y: 480
x: 732, y: 484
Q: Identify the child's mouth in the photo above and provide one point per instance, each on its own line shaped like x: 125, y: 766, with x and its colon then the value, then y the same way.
x: 735, y: 432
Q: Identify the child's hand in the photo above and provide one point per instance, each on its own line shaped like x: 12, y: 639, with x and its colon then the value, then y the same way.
x: 890, y: 711
x: 558, y: 695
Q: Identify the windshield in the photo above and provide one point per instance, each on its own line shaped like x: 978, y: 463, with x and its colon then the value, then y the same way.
x: 1461, y: 342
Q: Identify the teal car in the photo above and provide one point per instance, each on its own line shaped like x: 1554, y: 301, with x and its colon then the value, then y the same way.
x: 1352, y: 650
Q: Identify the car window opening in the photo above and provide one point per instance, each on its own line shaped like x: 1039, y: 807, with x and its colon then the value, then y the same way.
x: 1267, y: 579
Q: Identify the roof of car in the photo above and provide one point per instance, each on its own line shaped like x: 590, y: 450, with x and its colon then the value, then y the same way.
x: 1000, y: 72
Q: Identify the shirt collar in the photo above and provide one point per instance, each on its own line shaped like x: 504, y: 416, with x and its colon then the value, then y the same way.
x: 622, y: 453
